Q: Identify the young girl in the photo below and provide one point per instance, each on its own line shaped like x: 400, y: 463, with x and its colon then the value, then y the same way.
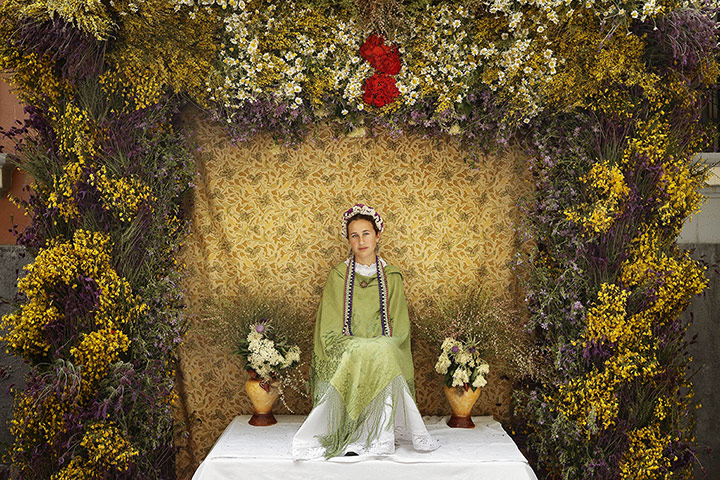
x: 362, y: 370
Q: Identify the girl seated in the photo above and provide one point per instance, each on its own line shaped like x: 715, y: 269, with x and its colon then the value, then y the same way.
x: 362, y: 373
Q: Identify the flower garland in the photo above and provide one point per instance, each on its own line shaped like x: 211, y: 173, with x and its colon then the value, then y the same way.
x: 607, y: 96
x: 103, y: 312
x: 360, y: 209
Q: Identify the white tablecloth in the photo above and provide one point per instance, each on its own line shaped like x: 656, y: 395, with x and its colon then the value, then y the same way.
x: 484, y: 452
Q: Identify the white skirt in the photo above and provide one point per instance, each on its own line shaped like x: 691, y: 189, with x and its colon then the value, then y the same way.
x: 408, y: 428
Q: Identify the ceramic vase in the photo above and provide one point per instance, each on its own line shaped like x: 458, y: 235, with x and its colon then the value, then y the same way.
x: 461, y: 403
x: 262, y: 401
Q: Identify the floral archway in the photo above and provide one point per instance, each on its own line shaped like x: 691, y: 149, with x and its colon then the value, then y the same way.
x: 604, y: 97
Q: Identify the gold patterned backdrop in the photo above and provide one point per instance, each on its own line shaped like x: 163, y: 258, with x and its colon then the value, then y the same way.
x: 266, y: 220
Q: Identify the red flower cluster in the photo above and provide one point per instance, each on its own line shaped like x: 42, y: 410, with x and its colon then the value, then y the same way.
x: 380, y: 89
x: 384, y: 58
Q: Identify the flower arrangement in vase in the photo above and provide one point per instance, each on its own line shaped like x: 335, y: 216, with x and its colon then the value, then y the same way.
x: 269, y: 336
x: 266, y: 357
x: 472, y: 331
x: 465, y: 369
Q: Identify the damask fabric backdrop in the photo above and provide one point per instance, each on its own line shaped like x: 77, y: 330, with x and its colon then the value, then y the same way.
x: 266, y: 220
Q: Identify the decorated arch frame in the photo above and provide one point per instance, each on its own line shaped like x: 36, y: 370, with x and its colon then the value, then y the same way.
x: 603, y: 96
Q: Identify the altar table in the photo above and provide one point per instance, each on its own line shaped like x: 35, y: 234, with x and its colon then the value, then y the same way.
x: 485, y: 452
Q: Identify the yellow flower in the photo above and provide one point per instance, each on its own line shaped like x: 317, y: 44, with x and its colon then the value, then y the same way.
x: 106, y: 448
x: 96, y: 352
x: 607, y: 190
x: 607, y: 318
x: 75, y: 131
x: 123, y: 195
x: 674, y: 274
x: 35, y: 421
x: 591, y: 400
x: 61, y: 263
x: 644, y: 457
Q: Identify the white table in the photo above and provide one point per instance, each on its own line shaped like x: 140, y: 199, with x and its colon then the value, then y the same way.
x: 485, y: 452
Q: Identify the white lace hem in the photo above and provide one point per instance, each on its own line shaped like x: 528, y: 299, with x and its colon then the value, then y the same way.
x: 409, y: 428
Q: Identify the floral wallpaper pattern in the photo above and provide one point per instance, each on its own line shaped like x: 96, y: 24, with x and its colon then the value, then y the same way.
x: 266, y: 220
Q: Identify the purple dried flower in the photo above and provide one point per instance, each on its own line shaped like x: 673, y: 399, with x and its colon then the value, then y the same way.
x: 455, y: 349
x: 260, y: 328
x: 76, y: 54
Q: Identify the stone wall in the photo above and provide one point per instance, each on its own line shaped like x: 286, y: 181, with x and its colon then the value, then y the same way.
x: 706, y: 354
x: 12, y: 370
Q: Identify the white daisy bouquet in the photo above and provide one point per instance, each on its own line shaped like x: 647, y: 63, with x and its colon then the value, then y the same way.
x: 265, y: 354
x: 462, y: 365
x: 269, y: 334
x: 472, y: 331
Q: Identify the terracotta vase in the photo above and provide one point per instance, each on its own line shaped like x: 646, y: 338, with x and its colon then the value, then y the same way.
x: 461, y: 403
x: 262, y: 401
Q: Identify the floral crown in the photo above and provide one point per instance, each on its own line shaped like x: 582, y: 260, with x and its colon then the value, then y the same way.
x: 360, y: 209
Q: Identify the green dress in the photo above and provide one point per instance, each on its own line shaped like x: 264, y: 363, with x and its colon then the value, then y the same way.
x: 357, y: 380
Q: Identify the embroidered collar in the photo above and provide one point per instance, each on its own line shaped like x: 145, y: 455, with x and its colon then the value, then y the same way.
x: 367, y: 270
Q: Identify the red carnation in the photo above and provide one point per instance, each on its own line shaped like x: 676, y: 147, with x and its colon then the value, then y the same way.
x: 383, y: 58
x: 380, y: 89
x: 388, y: 63
x: 367, y: 47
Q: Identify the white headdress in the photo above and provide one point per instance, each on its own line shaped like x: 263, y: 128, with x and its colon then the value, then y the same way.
x: 360, y: 209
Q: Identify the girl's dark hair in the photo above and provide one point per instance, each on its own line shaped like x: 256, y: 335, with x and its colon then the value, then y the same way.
x: 360, y: 216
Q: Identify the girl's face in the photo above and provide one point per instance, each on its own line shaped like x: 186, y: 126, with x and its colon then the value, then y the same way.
x: 363, y: 239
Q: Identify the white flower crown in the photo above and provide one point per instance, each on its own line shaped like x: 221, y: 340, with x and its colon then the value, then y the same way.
x: 360, y: 209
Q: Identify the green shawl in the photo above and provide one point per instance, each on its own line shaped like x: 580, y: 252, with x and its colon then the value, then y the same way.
x: 356, y: 373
